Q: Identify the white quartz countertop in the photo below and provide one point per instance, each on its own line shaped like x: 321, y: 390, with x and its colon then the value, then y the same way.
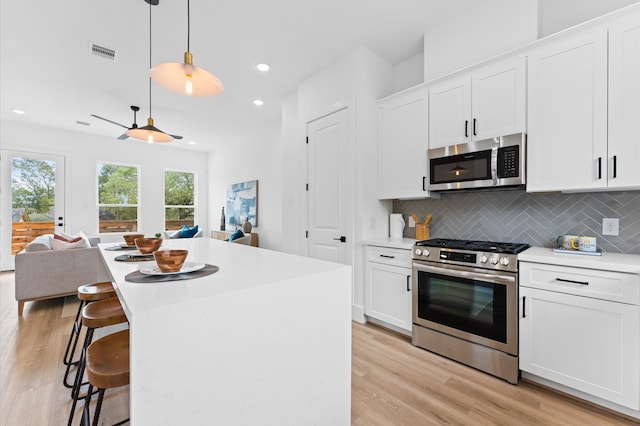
x: 241, y: 267
x: 618, y: 262
x: 401, y: 243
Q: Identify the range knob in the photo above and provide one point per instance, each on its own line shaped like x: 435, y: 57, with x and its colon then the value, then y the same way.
x: 504, y: 261
x: 425, y: 252
x: 494, y: 260
x: 483, y: 259
x: 418, y: 252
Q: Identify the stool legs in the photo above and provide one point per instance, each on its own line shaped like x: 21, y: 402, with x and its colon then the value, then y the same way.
x: 77, y: 384
x: 71, y: 345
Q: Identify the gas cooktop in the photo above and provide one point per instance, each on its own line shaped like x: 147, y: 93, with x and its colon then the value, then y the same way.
x: 472, y: 245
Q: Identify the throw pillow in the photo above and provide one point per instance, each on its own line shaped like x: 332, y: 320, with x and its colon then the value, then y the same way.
x: 40, y: 243
x: 64, y: 241
x: 187, y: 232
x: 236, y: 235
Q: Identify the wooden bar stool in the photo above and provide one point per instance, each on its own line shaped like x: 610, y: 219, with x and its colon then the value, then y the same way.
x: 101, y: 313
x: 107, y: 368
x: 86, y: 293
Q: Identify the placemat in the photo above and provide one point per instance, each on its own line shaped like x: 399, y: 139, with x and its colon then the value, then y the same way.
x: 116, y: 248
x: 132, y: 258
x: 139, y: 277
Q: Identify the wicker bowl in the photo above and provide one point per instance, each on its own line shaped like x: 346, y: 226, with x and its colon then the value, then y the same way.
x: 130, y: 239
x: 170, y: 260
x: 148, y: 245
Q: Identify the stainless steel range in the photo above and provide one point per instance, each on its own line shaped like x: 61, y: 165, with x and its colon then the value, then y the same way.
x: 465, y: 302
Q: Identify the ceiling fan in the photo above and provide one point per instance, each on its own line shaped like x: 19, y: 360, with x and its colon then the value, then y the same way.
x: 124, y: 136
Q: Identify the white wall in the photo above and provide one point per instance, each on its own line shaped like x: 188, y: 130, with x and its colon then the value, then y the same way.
x: 355, y: 82
x: 83, y: 151
x: 256, y: 157
x: 408, y: 73
x: 556, y: 15
x: 493, y: 27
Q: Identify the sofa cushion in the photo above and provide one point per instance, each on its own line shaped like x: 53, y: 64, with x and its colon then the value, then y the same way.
x: 187, y: 232
x: 237, y: 234
x: 40, y: 243
x: 64, y: 241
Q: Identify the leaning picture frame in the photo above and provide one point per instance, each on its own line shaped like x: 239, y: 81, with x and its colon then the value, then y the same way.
x: 242, y: 203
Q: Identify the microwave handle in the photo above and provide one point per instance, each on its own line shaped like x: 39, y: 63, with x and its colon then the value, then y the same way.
x: 494, y: 165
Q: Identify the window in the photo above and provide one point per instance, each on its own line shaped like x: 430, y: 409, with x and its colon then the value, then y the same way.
x: 179, y: 199
x: 118, y: 188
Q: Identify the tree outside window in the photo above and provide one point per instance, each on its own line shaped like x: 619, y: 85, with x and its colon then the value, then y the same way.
x: 179, y: 199
x: 117, y: 198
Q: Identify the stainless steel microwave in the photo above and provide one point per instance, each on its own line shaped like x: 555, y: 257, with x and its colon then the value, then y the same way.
x: 488, y: 163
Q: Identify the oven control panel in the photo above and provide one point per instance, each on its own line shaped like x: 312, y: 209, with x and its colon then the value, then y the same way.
x: 495, y: 261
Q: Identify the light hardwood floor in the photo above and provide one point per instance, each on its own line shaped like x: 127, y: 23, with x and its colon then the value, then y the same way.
x: 393, y: 382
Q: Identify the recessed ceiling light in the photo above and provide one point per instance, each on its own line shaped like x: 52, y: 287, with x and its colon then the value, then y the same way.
x: 192, y: 143
x: 258, y: 102
x: 18, y: 111
x: 262, y: 67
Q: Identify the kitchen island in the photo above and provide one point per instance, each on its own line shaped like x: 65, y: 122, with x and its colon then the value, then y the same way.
x: 264, y: 340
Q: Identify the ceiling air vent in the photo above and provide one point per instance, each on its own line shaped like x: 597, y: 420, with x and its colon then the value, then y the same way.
x: 102, y: 51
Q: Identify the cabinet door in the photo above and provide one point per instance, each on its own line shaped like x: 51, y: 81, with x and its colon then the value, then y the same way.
x: 403, y: 146
x: 567, y: 115
x: 450, y: 113
x: 498, y: 102
x: 388, y: 294
x: 587, y: 344
x: 624, y: 104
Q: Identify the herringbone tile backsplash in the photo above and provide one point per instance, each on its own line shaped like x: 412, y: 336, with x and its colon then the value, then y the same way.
x: 516, y: 216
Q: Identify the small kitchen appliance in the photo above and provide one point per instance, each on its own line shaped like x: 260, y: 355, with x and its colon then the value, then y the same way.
x: 465, y: 302
x: 488, y: 163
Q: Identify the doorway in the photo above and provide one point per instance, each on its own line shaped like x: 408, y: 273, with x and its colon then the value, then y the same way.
x: 33, y: 202
x: 327, y: 188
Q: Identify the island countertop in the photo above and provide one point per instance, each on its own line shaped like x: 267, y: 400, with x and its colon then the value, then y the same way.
x: 265, y: 339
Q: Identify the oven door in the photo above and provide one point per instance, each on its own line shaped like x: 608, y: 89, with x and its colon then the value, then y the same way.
x: 473, y: 304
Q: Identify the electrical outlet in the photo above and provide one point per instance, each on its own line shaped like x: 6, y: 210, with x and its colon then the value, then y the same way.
x: 610, y: 226
x: 412, y: 223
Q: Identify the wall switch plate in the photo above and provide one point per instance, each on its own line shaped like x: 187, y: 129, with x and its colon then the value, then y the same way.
x: 610, y: 226
x: 412, y: 223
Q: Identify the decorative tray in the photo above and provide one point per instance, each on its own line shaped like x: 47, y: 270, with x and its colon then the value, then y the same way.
x: 563, y: 250
x: 139, y: 277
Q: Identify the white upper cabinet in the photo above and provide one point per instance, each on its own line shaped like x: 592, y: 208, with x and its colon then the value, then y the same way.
x: 567, y: 126
x: 584, y: 111
x: 624, y: 104
x: 487, y: 103
x: 402, y: 145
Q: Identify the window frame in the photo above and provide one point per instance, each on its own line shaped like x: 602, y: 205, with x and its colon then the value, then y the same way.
x: 165, y: 206
x: 138, y: 191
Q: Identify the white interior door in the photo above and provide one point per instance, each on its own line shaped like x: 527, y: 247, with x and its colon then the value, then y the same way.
x: 326, y: 194
x: 31, y: 199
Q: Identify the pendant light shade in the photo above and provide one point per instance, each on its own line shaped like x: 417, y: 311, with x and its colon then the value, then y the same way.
x: 149, y: 133
x: 185, y: 78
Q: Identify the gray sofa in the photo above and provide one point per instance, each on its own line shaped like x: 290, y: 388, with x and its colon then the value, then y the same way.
x: 42, y: 273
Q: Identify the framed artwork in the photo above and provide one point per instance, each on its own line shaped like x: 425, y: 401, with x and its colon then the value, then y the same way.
x: 242, y: 202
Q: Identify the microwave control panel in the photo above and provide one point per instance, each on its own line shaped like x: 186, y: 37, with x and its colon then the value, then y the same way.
x: 509, y: 161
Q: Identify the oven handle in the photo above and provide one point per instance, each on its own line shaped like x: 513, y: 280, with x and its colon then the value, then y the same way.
x: 500, y: 279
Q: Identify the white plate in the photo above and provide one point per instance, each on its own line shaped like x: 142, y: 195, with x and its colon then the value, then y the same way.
x: 137, y: 253
x: 187, y: 267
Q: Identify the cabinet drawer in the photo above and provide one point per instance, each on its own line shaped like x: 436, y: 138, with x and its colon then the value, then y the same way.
x: 390, y: 256
x: 598, y: 284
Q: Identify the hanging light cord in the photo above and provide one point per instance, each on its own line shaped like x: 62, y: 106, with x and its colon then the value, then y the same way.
x: 150, y: 115
x: 188, y: 25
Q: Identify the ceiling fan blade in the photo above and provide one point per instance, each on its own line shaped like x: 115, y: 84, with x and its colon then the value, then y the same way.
x: 123, y: 136
x: 109, y: 121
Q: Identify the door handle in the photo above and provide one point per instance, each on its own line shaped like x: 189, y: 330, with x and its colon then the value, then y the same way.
x: 466, y: 128
x: 408, y: 278
x: 474, y: 127
x: 341, y: 239
x: 524, y: 310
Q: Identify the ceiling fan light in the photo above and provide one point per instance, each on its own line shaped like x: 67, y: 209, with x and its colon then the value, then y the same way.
x: 149, y: 133
x: 182, y: 77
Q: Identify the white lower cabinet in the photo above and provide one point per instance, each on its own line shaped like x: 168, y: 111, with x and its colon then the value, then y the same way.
x: 388, y: 286
x: 579, y: 328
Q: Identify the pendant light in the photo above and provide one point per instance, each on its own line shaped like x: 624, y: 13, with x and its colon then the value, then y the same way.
x: 149, y: 133
x: 185, y: 78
